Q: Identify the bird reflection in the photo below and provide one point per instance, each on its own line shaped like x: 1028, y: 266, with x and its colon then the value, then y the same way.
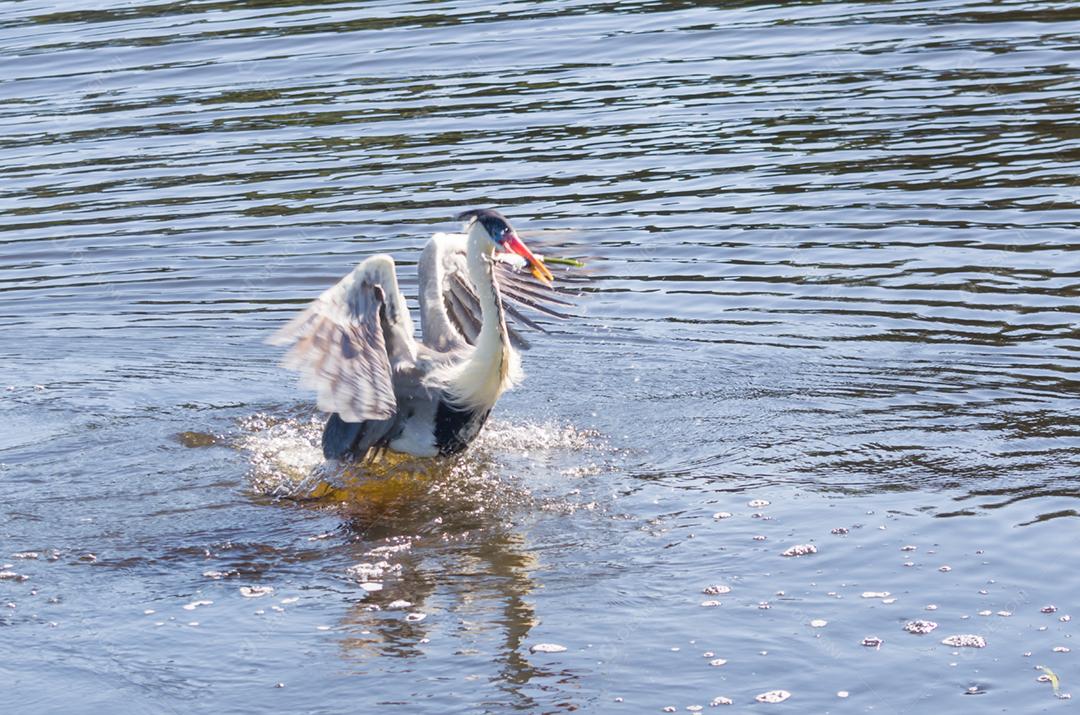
x: 438, y: 532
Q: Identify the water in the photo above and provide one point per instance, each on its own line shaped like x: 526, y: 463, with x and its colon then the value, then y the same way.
x: 834, y: 266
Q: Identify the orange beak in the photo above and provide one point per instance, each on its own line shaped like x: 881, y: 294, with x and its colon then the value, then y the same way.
x: 539, y: 270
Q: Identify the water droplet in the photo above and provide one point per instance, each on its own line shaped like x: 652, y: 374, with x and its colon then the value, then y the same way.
x: 800, y: 550
x: 215, y: 574
x: 919, y: 627
x: 773, y: 696
x: 547, y: 648
x: 256, y: 591
x: 965, y: 641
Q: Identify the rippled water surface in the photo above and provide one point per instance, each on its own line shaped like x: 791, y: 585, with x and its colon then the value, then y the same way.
x: 833, y: 300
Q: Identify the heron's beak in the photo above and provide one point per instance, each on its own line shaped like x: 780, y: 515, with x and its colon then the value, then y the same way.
x: 539, y: 270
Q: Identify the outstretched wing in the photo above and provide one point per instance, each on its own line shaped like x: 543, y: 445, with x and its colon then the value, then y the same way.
x: 350, y: 340
x: 450, y: 310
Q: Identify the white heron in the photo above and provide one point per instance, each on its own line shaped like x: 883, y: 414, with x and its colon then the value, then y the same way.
x: 355, y: 344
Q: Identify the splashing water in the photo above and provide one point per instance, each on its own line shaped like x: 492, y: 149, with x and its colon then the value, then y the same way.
x: 286, y: 457
x: 501, y: 469
x: 528, y: 437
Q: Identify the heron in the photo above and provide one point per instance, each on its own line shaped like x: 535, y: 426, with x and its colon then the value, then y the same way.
x: 355, y: 344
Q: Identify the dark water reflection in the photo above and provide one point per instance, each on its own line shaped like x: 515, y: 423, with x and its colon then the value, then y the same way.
x: 834, y: 265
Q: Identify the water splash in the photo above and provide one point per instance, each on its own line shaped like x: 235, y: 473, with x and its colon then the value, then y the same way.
x: 508, y: 461
x: 285, y: 452
x: 524, y: 438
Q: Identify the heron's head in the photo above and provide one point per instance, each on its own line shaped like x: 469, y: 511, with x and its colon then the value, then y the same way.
x: 503, y: 235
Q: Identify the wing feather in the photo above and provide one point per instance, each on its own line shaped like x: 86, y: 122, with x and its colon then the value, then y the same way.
x: 339, y: 346
x: 449, y: 305
x: 523, y: 283
x: 463, y: 308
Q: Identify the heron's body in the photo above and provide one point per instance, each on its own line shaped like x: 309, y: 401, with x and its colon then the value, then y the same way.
x: 385, y: 390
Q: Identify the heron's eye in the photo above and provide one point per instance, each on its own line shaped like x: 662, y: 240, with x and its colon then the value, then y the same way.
x: 499, y: 231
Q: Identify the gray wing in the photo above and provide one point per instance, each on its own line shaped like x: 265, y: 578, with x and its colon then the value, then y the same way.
x: 348, y: 344
x: 449, y: 309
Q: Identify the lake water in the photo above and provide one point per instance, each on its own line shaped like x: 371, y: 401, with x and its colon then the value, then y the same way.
x: 833, y: 300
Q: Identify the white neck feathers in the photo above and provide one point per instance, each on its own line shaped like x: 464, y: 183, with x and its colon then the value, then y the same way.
x: 492, y: 366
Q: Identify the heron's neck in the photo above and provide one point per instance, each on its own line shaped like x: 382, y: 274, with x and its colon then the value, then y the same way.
x: 494, y: 365
x: 479, y: 254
